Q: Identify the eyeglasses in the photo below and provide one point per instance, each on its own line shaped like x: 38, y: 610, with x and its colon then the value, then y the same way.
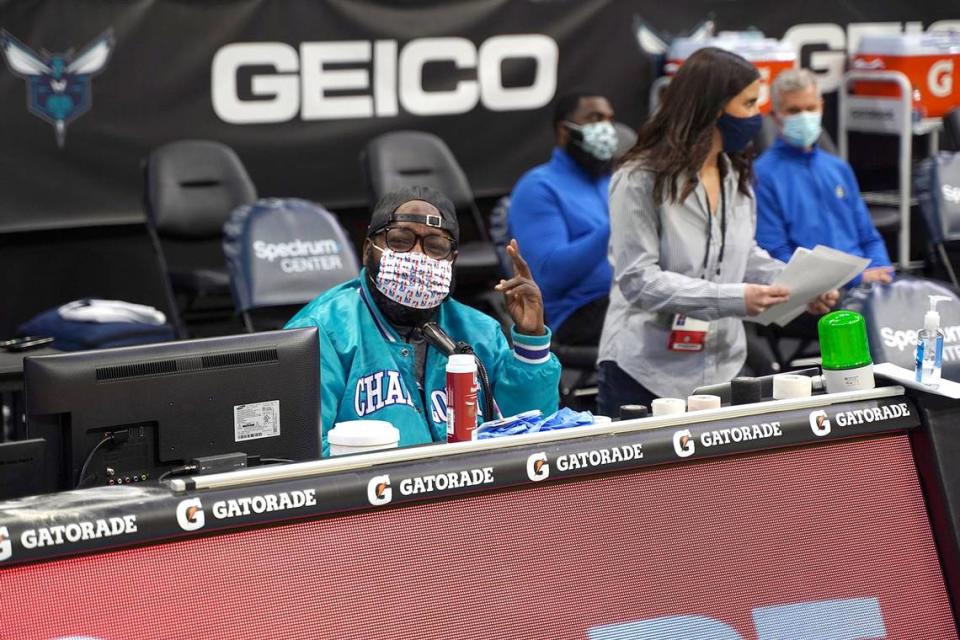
x: 435, y: 245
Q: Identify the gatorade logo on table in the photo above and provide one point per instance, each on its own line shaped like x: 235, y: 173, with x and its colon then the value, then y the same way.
x: 874, y: 414
x: 685, y: 446
x: 76, y: 531
x: 538, y: 467
x: 6, y: 545
x: 683, y: 443
x: 379, y: 491
x: 446, y: 481
x: 190, y: 514
x: 743, y: 433
x: 600, y: 457
x: 820, y: 423
x: 266, y: 503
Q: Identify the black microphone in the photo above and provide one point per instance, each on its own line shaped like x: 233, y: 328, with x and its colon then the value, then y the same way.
x: 438, y: 338
x: 443, y: 343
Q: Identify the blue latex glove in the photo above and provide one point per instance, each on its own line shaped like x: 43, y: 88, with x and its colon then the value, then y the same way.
x: 566, y: 418
x: 532, y: 422
x: 512, y: 425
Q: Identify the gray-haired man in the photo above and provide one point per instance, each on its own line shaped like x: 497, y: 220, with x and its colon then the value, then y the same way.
x: 806, y: 196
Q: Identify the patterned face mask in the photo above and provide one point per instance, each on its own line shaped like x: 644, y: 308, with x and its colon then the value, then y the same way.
x: 599, y: 139
x: 413, y: 279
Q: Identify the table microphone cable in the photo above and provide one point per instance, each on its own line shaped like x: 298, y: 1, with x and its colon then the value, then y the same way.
x: 439, y: 339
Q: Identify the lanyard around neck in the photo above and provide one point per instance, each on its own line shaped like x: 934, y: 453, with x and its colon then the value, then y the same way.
x: 723, y: 229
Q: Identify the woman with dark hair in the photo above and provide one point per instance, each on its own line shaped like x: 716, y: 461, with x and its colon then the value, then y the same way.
x: 682, y: 221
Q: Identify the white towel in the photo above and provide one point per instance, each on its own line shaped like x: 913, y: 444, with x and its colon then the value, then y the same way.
x: 96, y: 310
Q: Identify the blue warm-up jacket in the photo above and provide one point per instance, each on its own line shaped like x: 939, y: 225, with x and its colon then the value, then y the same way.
x: 367, y: 370
x: 560, y: 216
x: 806, y: 198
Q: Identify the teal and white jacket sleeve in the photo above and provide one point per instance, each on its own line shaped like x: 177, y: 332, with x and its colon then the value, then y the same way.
x: 527, y: 375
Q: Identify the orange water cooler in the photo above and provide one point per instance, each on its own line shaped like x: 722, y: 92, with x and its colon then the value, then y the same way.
x: 928, y: 60
x: 769, y: 55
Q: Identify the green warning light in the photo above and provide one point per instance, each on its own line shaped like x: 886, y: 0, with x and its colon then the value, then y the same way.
x: 843, y: 340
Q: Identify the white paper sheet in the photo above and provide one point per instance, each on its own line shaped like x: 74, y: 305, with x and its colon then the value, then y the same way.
x: 807, y: 275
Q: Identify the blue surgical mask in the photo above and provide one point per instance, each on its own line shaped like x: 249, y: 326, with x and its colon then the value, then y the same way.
x: 802, y: 129
x: 738, y: 132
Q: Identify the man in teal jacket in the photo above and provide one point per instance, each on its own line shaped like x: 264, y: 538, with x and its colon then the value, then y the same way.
x: 374, y: 361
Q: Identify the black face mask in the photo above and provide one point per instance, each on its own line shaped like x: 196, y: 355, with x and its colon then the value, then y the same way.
x: 397, y: 314
x: 587, y: 161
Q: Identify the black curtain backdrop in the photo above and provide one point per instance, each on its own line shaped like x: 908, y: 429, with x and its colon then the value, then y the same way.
x: 156, y: 85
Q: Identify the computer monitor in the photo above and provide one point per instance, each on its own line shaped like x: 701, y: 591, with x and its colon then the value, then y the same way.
x: 169, y: 403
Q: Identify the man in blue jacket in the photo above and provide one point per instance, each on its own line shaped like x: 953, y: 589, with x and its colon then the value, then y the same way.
x: 559, y: 213
x: 374, y: 361
x: 806, y: 196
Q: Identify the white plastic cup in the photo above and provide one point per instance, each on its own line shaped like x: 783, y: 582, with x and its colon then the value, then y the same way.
x: 361, y: 436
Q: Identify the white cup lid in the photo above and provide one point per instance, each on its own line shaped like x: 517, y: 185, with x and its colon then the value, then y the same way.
x: 462, y: 363
x: 363, y: 433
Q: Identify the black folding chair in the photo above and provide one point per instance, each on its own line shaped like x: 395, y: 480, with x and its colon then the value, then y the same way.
x: 191, y: 186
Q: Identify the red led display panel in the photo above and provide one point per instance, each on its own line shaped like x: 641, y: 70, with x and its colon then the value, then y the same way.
x: 830, y: 542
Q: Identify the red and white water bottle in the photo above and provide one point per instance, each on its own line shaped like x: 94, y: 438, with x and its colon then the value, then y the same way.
x: 461, y: 397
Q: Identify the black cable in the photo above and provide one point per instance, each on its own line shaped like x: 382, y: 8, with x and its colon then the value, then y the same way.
x: 275, y: 460
x: 177, y: 471
x: 447, y: 346
x: 108, y: 437
x: 489, y: 408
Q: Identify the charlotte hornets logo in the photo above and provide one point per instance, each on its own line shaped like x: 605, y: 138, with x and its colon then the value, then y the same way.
x: 58, y: 84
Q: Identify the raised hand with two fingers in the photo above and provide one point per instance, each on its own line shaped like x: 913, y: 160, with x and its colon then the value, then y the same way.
x: 522, y: 295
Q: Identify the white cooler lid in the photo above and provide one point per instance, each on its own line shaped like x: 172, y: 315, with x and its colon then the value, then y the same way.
x: 751, y: 45
x: 931, y: 43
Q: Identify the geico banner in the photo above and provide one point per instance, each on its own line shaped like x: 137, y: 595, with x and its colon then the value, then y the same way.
x: 302, y: 83
x: 299, y: 88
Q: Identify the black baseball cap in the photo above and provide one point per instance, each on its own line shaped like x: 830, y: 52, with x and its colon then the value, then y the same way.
x: 385, y: 211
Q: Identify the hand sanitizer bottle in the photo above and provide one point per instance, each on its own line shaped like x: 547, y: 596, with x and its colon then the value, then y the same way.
x: 930, y: 346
